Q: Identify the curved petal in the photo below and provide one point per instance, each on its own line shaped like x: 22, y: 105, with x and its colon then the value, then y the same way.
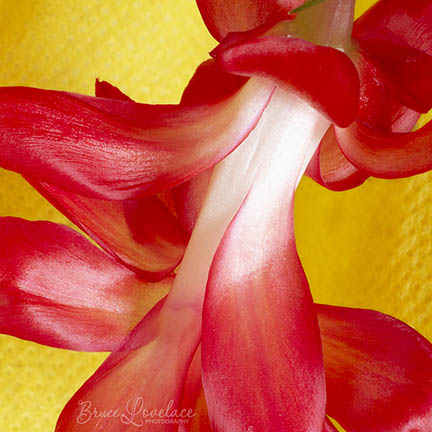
x: 261, y: 355
x: 331, y: 169
x: 142, y: 233
x: 222, y: 17
x: 141, y: 383
x: 295, y: 64
x: 58, y: 289
x: 387, y: 155
x: 115, y: 149
x: 378, y: 371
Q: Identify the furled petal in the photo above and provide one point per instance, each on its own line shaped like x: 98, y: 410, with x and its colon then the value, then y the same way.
x: 295, y: 64
x: 387, y: 155
x: 261, y: 354
x: 378, y: 371
x: 58, y: 289
x: 222, y: 17
x: 408, y: 69
x: 60, y: 138
x: 141, y: 233
x: 331, y: 169
x: 141, y: 389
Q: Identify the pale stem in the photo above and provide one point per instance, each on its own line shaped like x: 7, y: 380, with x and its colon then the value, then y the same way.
x: 287, y: 122
x: 329, y: 23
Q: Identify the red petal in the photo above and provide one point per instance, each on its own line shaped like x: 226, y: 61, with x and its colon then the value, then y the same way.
x: 378, y: 371
x: 58, y: 289
x: 142, y: 234
x: 261, y: 353
x: 331, y: 169
x: 294, y: 64
x: 387, y: 155
x: 115, y: 149
x: 222, y: 17
x: 398, y: 35
x: 410, y: 21
x: 147, y: 372
x: 408, y: 69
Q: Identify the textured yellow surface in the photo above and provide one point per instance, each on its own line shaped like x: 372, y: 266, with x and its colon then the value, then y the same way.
x: 370, y: 247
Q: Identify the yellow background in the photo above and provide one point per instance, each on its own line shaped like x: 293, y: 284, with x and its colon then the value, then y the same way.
x: 370, y: 247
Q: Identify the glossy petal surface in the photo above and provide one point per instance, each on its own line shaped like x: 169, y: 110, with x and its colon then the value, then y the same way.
x: 260, y: 338
x: 57, y: 289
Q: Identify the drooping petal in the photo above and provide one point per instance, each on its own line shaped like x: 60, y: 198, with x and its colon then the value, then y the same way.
x: 295, y: 64
x: 57, y: 289
x: 378, y: 371
x: 330, y: 168
x: 387, y: 155
x: 260, y: 344
x: 141, y: 233
x: 222, y: 17
x: 163, y: 345
x: 138, y: 149
x: 141, y: 390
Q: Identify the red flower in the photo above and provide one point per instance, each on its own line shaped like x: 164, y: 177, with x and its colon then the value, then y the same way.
x: 282, y: 94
